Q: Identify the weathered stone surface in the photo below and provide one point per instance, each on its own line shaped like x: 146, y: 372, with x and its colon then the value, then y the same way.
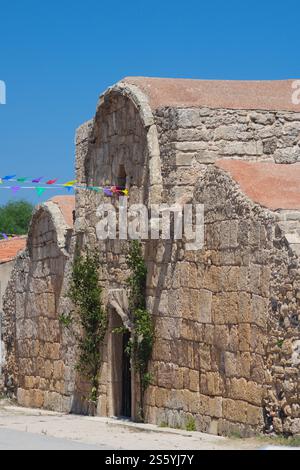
x: 226, y: 348
x: 205, y: 302
x: 38, y: 275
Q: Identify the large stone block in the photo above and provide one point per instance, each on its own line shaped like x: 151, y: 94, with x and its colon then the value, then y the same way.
x: 235, y: 410
x: 168, y: 328
x: 189, y: 117
x: 58, y: 370
x: 287, y: 155
x: 231, y: 364
x: 170, y: 376
x: 216, y: 407
x: 215, y: 383
x: 205, y: 357
x: 207, y: 156
x: 161, y: 397
x: 255, y: 416
x: 252, y: 148
x: 245, y: 337
x: 242, y: 389
x: 229, y: 234
x: 259, y: 311
x: 213, y: 278
x: 193, y: 134
x: 204, y: 306
x: 194, y: 380
x: 185, y: 158
x: 244, y: 307
x: 221, y: 336
x: 225, y: 308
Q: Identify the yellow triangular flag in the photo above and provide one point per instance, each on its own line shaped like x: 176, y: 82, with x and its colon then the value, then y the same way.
x: 70, y: 183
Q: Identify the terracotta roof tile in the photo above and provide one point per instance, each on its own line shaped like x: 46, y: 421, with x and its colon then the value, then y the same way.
x: 67, y: 206
x: 272, y: 185
x: 230, y: 94
x: 10, y: 248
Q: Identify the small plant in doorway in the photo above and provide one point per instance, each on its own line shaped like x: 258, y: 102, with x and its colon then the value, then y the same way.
x: 85, y: 293
x: 142, y: 337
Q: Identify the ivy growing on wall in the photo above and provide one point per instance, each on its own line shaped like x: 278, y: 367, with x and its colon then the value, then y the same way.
x: 143, y: 332
x: 85, y: 292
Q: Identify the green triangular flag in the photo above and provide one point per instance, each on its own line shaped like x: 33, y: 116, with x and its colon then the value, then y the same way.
x: 40, y: 191
x: 22, y: 180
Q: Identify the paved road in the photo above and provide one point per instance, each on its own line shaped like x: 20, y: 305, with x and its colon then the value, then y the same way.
x: 21, y: 440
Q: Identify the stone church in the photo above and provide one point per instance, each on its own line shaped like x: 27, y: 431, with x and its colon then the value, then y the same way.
x: 227, y: 317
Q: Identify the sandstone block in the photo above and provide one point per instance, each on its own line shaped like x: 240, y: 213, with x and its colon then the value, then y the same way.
x: 188, y: 117
x: 204, y: 306
x: 215, y: 384
x: 216, y: 407
x: 259, y: 310
x: 241, y: 389
x: 235, y: 410
x: 244, y: 307
x: 205, y: 357
x: 225, y: 308
x: 255, y: 416
x: 245, y: 337
x: 58, y: 371
x: 250, y: 148
x: 194, y: 380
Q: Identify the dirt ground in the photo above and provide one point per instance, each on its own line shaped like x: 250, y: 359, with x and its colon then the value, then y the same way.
x: 110, y: 433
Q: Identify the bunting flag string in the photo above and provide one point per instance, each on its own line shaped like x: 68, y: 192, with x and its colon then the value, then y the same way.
x: 9, y: 236
x: 41, y: 187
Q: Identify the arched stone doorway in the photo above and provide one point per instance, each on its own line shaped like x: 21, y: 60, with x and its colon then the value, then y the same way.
x: 121, y: 380
x: 121, y: 375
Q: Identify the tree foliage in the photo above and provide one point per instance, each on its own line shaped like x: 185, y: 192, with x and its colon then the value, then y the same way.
x: 15, y: 217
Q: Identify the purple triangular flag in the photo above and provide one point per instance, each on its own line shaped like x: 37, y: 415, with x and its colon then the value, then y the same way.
x: 15, y: 189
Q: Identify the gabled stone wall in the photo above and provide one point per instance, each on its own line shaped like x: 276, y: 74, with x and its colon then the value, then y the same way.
x: 116, y: 148
x: 35, y: 370
x: 191, y: 138
x: 227, y: 325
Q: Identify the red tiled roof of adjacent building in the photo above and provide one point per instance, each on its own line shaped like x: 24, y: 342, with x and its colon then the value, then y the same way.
x: 10, y: 248
x: 66, y: 205
x: 274, y: 186
x: 269, y: 95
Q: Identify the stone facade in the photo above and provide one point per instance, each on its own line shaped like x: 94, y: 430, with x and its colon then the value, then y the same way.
x: 8, y: 252
x: 223, y: 353
x: 227, y: 341
x: 192, y: 138
x: 35, y: 368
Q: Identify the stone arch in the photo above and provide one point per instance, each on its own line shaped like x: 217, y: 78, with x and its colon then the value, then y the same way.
x: 141, y: 105
x: 36, y: 329
x: 104, y: 145
x: 50, y: 211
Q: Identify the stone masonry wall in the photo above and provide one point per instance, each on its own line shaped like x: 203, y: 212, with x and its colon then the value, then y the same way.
x: 222, y: 355
x: 212, y: 358
x: 111, y: 149
x: 227, y: 349
x: 191, y: 138
x: 35, y: 368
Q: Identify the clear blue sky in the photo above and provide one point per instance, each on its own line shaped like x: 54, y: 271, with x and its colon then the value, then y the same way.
x: 56, y: 57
